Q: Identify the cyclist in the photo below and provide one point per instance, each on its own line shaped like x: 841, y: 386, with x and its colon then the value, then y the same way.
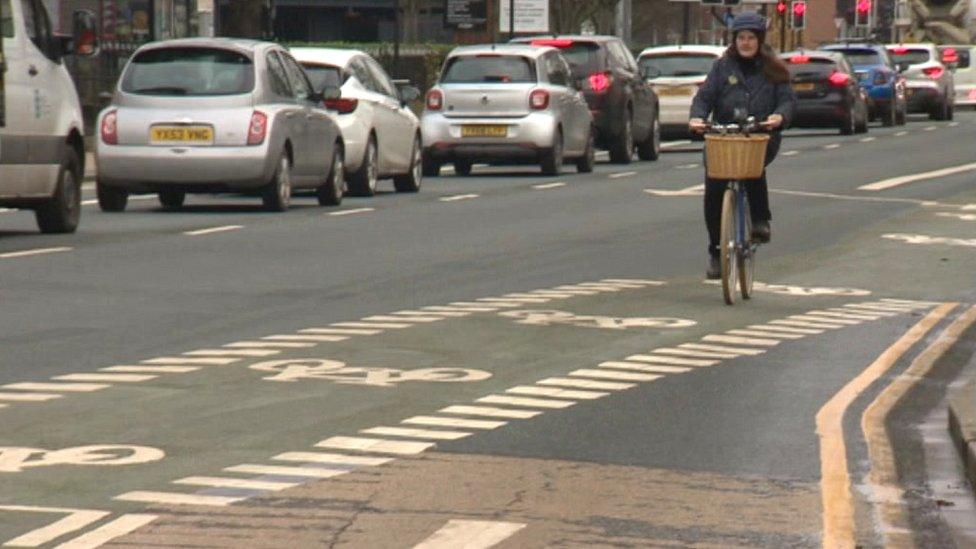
x: 748, y: 80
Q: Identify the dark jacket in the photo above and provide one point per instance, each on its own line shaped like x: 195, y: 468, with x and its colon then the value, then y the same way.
x: 727, y: 89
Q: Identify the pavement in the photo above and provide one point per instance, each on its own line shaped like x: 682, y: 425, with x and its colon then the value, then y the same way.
x: 962, y: 415
x: 534, y: 361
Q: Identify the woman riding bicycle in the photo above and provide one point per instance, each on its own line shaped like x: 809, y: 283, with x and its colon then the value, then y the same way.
x: 748, y: 80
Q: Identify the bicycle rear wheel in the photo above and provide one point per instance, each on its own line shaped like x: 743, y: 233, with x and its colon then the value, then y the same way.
x: 747, y: 254
x: 727, y: 248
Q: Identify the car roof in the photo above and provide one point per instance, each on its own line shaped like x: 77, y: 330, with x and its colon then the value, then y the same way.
x: 815, y: 54
x: 242, y: 45
x: 332, y: 56
x: 510, y: 49
x: 573, y: 37
x: 689, y: 48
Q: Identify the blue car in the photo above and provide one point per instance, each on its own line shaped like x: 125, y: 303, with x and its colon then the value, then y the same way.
x: 879, y: 77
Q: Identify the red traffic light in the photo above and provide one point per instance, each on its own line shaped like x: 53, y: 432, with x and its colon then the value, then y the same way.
x: 781, y: 8
x: 799, y: 8
x: 864, y: 6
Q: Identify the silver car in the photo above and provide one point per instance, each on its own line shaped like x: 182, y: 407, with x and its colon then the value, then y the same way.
x: 216, y: 115
x: 929, y: 84
x: 506, y: 104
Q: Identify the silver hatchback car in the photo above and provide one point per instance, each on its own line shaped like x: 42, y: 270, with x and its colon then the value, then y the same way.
x: 506, y: 104
x: 217, y: 115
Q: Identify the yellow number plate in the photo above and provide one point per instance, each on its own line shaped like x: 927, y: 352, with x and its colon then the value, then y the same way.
x: 676, y: 90
x: 803, y: 87
x: 196, y: 135
x: 483, y: 131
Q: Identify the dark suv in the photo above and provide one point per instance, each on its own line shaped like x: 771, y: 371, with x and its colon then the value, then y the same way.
x: 624, y: 106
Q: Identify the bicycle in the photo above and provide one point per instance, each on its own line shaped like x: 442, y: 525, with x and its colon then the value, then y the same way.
x: 736, y: 153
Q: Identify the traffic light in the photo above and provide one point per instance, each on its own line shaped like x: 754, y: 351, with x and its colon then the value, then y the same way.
x: 862, y: 14
x: 781, y: 7
x: 798, y: 15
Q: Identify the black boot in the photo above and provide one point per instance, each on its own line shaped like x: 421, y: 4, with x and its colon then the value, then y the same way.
x: 761, y: 231
x: 714, y: 269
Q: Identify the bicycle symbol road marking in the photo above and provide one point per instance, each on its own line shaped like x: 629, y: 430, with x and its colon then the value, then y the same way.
x: 333, y: 370
x: 548, y: 318
x: 16, y: 459
x: 808, y: 291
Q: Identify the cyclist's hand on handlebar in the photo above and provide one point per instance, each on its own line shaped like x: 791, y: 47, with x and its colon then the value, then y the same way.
x: 774, y: 121
x: 697, y: 125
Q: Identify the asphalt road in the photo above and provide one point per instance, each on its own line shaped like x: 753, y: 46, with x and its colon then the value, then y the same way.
x: 175, y: 361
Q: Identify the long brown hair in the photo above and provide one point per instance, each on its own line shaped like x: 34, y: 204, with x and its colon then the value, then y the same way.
x: 773, y: 68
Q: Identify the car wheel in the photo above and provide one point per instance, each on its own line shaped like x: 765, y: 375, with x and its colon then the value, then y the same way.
x: 650, y: 148
x: 362, y: 182
x: 622, y: 148
x: 62, y: 212
x: 552, y: 160
x: 938, y: 112
x: 410, y: 181
x: 277, y: 195
x: 111, y: 199
x: 431, y: 167
x: 584, y: 164
x: 331, y: 192
x: 847, y: 127
x: 462, y: 167
x: 172, y: 199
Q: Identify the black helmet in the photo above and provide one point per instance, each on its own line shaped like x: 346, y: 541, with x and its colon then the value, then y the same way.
x: 749, y: 20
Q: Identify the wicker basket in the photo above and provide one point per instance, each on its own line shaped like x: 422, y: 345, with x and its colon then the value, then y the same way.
x: 735, y: 156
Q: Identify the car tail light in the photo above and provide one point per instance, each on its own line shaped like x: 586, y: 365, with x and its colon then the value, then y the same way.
x: 600, y: 81
x: 539, y: 100
x: 435, y: 100
x: 838, y: 78
x: 950, y: 55
x: 972, y: 94
x: 342, y: 105
x: 933, y: 72
x: 799, y: 59
x: 110, y: 128
x: 554, y: 42
x: 257, y: 129
x: 880, y: 78
x: 900, y: 50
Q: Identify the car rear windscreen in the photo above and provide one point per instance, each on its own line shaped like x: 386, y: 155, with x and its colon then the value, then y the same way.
x: 810, y: 67
x: 323, y: 76
x: 678, y: 64
x: 583, y: 57
x: 858, y: 57
x: 189, y: 72
x: 497, y: 69
x: 964, y: 58
x: 912, y: 57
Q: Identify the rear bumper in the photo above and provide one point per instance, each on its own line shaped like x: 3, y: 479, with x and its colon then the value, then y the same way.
x: 820, y: 113
x: 922, y: 96
x: 525, y: 138
x: 148, y: 168
x: 525, y: 153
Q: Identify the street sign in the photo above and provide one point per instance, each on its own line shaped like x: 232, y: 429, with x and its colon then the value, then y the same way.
x: 530, y: 15
x: 466, y: 14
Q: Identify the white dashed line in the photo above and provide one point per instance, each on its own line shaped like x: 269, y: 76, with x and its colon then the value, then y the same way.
x: 673, y: 360
x: 696, y: 354
x: 28, y: 397
x: 212, y: 230
x: 953, y: 124
x: 245, y: 484
x: 151, y: 369
x: 36, y: 251
x: 606, y: 374
x: 687, y: 166
x: 738, y: 351
x: 353, y: 211
x: 269, y: 344
x: 960, y: 216
x: 374, y: 445
x: 618, y: 175
x: 488, y: 411
x: 764, y: 333
x: 901, y: 134
x: 790, y: 153
x: 173, y: 498
x: 416, y: 433
x: 785, y: 329
x: 284, y: 471
x: 679, y: 143
x: 832, y: 146
x: 105, y: 378
x: 830, y: 322
x: 930, y: 128
x: 868, y: 139
x: 555, y: 393
x: 334, y: 459
x: 373, y: 325
x: 527, y: 402
x: 394, y: 319
x: 180, y: 360
x: 454, y: 422
x: 735, y: 340
x: 305, y: 337
x: 341, y: 331
x: 55, y: 387
x: 586, y: 384
x: 233, y: 352
x: 458, y: 197
x: 651, y: 368
x: 545, y: 186
x: 905, y: 179
x: 470, y: 534
x: 109, y: 531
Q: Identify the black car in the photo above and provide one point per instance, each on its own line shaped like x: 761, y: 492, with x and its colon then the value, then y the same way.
x: 827, y: 92
x: 624, y: 106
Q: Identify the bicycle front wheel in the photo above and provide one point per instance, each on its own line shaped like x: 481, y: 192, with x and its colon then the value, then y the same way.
x: 727, y: 247
x: 747, y: 255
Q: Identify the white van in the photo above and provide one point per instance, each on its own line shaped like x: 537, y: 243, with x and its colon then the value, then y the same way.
x: 41, y: 148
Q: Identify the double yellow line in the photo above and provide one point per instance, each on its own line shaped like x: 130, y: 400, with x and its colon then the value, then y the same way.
x: 835, y: 483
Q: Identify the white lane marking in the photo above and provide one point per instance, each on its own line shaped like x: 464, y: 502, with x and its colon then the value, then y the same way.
x: 825, y: 317
x: 849, y: 315
x: 801, y: 324
x: 693, y: 190
x: 905, y: 179
x: 465, y: 310
x: 457, y: 197
x: 226, y: 482
x: 763, y: 333
x: 282, y: 471
x: 735, y: 340
x: 232, y: 352
x: 953, y: 124
x: 533, y: 295
x: 107, y: 532
x: 606, y: 374
x: 36, y: 251
x: 653, y: 368
x: 687, y: 166
x: 416, y: 433
x: 174, y: 498
x: 867, y: 139
x: 737, y: 351
x: 577, y: 290
x: 545, y: 186
x: 832, y: 146
x: 695, y: 354
x: 428, y: 313
x: 527, y: 402
x: 488, y: 411
x: 375, y: 445
x: 151, y: 369
x: 386, y: 318
x: 930, y: 128
x: 76, y: 520
x: 375, y: 325
x: 221, y: 229
x: 860, y: 198
x: 901, y: 134
x: 677, y: 143
x: 515, y: 299
x: 470, y: 534
x: 959, y: 216
x: 563, y: 293
x: 673, y: 360
x: 790, y: 153
x: 555, y: 393
x: 353, y: 211
x: 268, y: 344
x: 180, y: 360
x: 340, y: 331
x: 472, y: 306
x: 876, y: 308
x: 305, y: 337
x: 875, y: 313
x: 28, y: 397
x: 105, y: 378
x: 454, y: 422
x: 825, y: 321
x: 334, y: 459
x: 617, y: 175
x: 914, y: 302
x: 55, y: 387
x: 585, y: 384
x: 926, y: 239
x: 785, y: 329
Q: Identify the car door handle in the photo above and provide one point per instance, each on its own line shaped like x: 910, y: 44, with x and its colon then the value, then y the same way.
x: 32, y: 70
